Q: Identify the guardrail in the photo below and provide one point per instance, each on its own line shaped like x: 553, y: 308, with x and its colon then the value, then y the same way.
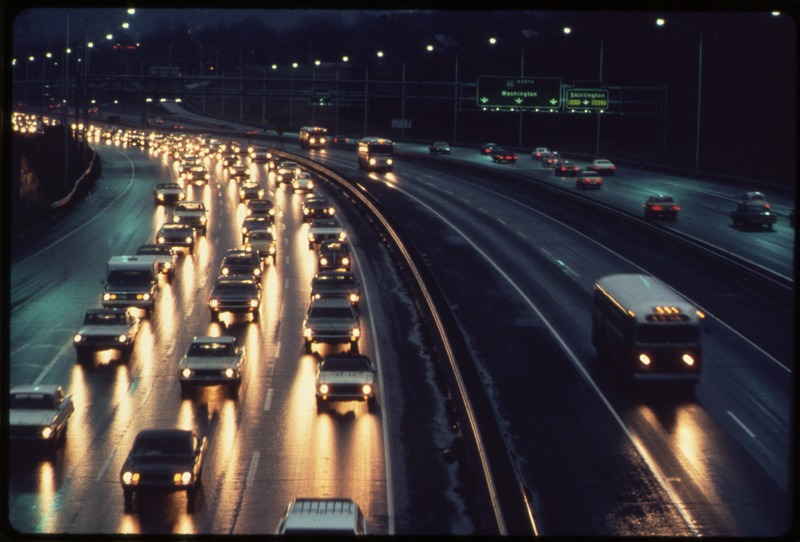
x: 501, y: 492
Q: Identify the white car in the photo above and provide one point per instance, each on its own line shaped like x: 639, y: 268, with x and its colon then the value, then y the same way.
x: 602, y: 166
x: 325, y: 229
x: 212, y: 361
x: 346, y: 377
x: 193, y: 213
x: 302, y: 182
x: 323, y: 516
x: 39, y: 414
x: 105, y: 329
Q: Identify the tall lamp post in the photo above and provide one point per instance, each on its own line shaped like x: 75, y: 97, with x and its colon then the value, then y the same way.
x: 567, y: 31
x: 380, y: 54
x: 431, y: 49
x: 662, y: 22
x: 527, y: 34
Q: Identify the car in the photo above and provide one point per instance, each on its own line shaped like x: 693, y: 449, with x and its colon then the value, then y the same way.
x: 286, y: 171
x: 193, y: 213
x: 552, y: 159
x: 336, y: 284
x: 39, y: 414
x: 260, y: 156
x: 346, y: 377
x: 262, y: 243
x: 316, y: 207
x: 241, y: 262
x: 488, y: 148
x: 539, y: 152
x: 212, y: 361
x: 753, y: 210
x: 249, y: 190
x: 176, y: 234
x: 589, y: 179
x: 239, y: 173
x: 196, y: 174
x: 165, y: 255
x: 230, y: 159
x: 331, y: 320
x: 237, y: 294
x: 334, y: 254
x: 168, y: 193
x: 105, y: 328
x: 321, y: 517
x: 661, y: 206
x: 503, y: 156
x: 439, y: 147
x: 163, y: 461
x: 567, y: 169
x: 302, y: 182
x: 602, y: 166
x: 253, y: 223
x: 259, y: 207
x: 344, y: 140
x: 187, y: 162
x: 324, y: 229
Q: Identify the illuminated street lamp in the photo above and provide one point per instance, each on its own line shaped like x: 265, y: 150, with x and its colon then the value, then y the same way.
x: 431, y: 48
x: 662, y: 22
x: 380, y: 54
x: 567, y: 31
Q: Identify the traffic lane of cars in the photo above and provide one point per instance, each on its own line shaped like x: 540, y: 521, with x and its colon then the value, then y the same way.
x: 705, y: 207
x: 695, y: 421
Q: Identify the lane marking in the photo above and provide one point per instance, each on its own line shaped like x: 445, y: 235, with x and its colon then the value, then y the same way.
x: 251, y: 472
x: 268, y: 400
x: 102, y: 473
x: 741, y: 424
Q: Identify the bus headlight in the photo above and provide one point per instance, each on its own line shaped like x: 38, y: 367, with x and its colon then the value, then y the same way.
x: 644, y: 359
x: 688, y: 359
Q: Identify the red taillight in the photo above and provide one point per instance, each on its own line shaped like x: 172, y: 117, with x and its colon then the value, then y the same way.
x: 766, y: 206
x: 656, y: 207
x: 677, y: 208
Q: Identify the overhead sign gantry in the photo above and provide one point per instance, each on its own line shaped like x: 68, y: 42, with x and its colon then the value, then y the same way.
x: 519, y: 92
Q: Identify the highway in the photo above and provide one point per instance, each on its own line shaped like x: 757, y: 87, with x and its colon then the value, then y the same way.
x: 517, y: 268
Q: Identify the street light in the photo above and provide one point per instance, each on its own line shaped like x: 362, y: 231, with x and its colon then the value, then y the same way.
x: 567, y: 32
x: 380, y: 54
x: 663, y: 22
x: 431, y: 48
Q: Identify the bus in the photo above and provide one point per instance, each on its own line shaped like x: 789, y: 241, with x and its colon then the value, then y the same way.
x: 646, y: 329
x: 375, y: 154
x: 313, y: 137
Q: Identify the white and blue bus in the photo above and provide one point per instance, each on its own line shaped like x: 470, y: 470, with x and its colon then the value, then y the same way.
x: 375, y: 154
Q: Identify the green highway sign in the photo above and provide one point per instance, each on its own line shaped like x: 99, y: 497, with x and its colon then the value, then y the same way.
x: 519, y: 92
x: 587, y: 98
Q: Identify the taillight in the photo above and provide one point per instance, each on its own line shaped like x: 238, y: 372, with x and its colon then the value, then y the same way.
x: 656, y: 207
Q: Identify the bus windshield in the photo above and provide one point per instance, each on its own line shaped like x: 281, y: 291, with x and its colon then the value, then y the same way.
x: 380, y: 148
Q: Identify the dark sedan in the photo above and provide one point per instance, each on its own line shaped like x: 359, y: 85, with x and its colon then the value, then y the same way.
x: 503, y: 156
x: 163, y: 461
x: 567, y: 169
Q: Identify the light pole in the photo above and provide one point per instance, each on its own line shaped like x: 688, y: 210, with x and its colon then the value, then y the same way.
x: 430, y: 49
x: 568, y: 31
x: 291, y: 94
x: 662, y: 22
x: 380, y: 54
x: 527, y: 34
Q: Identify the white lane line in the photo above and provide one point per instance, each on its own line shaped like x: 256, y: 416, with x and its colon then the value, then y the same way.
x: 742, y: 425
x: 501, y: 221
x: 654, y: 468
x: 102, y: 473
x: 522, y: 235
x: 268, y: 400
x: 251, y: 472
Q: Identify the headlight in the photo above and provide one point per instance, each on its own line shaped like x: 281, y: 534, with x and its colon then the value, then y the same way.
x: 160, y: 196
x: 353, y: 298
x: 272, y: 249
x: 342, y: 235
x: 311, y: 237
x: 107, y: 296
x: 355, y: 332
x: 161, y: 239
x: 307, y: 332
x: 254, y: 303
x: 77, y: 338
x: 225, y: 271
x: 389, y: 161
x: 644, y: 359
x: 366, y: 389
x: 324, y: 389
x: 257, y: 271
x: 249, y: 212
x: 122, y: 338
x: 305, y: 211
x: 183, y: 478
x: 310, y: 184
x: 146, y: 297
x: 214, y: 303
x: 186, y: 373
x: 323, y: 261
x: 188, y: 239
x: 130, y: 478
x: 688, y: 359
x: 176, y: 218
x: 331, y: 211
x: 345, y: 261
x: 203, y: 219
x: 229, y: 372
x: 47, y: 432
